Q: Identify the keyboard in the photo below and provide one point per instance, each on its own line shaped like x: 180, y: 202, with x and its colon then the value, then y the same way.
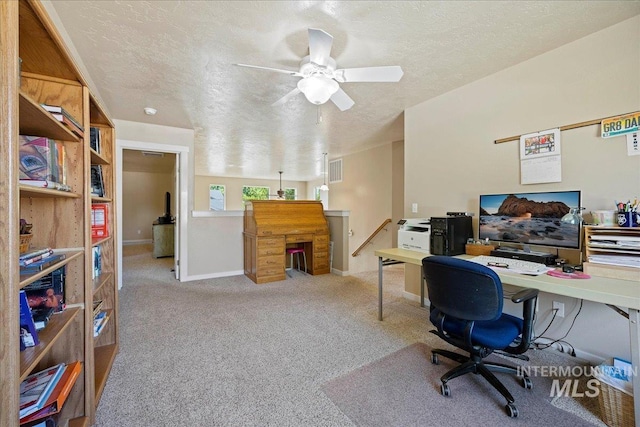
x: 512, y: 265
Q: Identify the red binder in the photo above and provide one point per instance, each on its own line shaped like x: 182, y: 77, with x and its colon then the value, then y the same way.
x: 58, y: 396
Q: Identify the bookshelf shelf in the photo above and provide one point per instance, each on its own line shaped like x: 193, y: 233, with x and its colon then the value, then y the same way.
x: 35, y: 120
x: 28, y: 191
x: 97, y: 158
x: 30, y: 278
x: 48, y: 336
x: 104, y: 357
x: 60, y: 219
x: 101, y: 280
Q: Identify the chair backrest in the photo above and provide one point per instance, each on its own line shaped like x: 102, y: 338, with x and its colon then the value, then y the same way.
x: 463, y: 289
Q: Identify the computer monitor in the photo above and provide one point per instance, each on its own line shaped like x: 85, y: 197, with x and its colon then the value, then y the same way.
x: 530, y: 218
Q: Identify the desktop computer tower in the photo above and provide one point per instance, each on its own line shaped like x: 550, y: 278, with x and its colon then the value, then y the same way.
x: 449, y: 234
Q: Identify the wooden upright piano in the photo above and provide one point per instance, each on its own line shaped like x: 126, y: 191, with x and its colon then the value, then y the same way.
x: 270, y: 226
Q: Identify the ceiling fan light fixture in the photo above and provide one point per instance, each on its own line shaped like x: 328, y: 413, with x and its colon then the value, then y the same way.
x: 324, y: 186
x: 317, y: 88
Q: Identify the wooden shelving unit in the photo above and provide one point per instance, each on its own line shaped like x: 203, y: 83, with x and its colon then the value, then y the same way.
x: 610, y: 241
x: 61, y: 220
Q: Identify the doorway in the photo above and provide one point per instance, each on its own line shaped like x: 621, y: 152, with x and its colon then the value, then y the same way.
x: 151, y: 171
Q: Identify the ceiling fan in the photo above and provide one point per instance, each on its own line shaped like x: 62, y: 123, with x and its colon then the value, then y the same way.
x: 320, y: 77
x: 280, y: 193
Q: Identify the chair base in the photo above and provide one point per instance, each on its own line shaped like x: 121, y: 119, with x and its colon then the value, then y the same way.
x: 475, y: 364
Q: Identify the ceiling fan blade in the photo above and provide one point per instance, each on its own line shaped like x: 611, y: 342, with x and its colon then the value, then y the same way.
x: 320, y: 43
x: 285, y: 98
x: 342, y: 100
x: 277, y: 70
x: 392, y: 73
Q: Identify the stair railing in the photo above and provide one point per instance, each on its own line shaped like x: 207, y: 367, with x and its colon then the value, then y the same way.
x: 379, y: 229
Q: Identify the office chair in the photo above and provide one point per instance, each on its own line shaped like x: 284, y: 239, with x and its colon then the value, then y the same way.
x: 466, y: 308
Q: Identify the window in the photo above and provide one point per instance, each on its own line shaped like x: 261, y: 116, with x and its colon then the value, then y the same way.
x: 254, y: 193
x: 290, y: 193
x: 216, y: 197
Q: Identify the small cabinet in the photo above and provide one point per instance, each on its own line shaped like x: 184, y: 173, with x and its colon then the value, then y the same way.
x: 163, y: 243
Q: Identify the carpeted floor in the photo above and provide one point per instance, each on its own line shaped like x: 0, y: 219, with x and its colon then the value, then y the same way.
x: 403, y: 389
x: 228, y: 352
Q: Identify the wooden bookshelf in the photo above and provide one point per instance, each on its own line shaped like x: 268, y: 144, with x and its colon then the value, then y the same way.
x: 61, y: 220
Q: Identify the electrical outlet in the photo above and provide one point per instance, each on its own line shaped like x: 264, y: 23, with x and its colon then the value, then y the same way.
x: 414, y: 208
x: 559, y: 307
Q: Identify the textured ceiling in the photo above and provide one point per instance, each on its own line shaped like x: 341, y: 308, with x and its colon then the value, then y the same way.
x: 178, y: 56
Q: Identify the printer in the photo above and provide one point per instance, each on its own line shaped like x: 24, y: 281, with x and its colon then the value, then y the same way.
x: 414, y: 234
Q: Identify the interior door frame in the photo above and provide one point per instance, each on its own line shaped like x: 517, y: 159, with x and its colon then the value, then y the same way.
x: 182, y: 182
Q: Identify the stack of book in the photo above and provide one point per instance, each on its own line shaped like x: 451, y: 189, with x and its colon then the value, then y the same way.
x: 38, y: 259
x: 64, y: 117
x: 42, y: 394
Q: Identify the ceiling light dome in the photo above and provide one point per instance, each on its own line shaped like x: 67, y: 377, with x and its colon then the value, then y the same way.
x: 318, y: 89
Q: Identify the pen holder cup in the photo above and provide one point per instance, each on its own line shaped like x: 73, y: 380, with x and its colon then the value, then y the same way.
x: 627, y: 219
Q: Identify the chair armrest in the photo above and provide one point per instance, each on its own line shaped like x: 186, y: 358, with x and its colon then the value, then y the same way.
x: 529, y: 297
x: 524, y: 295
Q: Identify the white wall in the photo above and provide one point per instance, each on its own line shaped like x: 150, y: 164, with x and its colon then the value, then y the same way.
x: 450, y: 157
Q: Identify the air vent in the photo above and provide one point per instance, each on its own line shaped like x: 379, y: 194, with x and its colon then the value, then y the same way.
x: 152, y: 154
x: 335, y: 171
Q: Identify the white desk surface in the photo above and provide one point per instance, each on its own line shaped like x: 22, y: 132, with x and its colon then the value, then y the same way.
x: 622, y: 293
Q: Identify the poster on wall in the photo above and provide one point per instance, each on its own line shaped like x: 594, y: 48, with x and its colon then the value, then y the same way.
x: 540, y: 157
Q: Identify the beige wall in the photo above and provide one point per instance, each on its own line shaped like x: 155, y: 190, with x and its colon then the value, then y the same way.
x: 450, y: 157
x: 366, y: 192
x: 143, y: 201
x: 233, y: 190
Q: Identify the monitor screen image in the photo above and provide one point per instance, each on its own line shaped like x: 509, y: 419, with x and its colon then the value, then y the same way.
x: 530, y: 218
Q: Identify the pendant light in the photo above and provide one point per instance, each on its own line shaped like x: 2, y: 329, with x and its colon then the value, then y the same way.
x: 324, y: 186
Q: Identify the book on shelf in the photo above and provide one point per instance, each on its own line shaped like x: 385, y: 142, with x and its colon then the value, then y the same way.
x: 59, y: 110
x: 95, y: 139
x: 69, y: 124
x: 97, y: 261
x: 41, y: 316
x: 99, y: 321
x: 99, y: 220
x: 48, y: 291
x: 38, y: 266
x: 33, y: 253
x: 97, y: 307
x: 26, y: 261
x: 97, y: 181
x: 39, y: 159
x: 49, y: 421
x: 36, y: 389
x: 58, y: 395
x: 28, y: 331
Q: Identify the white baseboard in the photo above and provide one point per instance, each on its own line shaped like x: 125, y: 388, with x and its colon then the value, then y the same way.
x: 564, y: 348
x: 137, y: 242
x: 213, y: 275
x: 340, y: 272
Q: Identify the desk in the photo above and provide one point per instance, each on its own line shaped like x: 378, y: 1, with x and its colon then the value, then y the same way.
x: 623, y: 293
x: 271, y: 225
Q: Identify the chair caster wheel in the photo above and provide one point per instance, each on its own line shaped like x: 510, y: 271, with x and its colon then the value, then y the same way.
x: 434, y: 359
x: 527, y: 383
x: 511, y: 409
x: 445, y: 390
